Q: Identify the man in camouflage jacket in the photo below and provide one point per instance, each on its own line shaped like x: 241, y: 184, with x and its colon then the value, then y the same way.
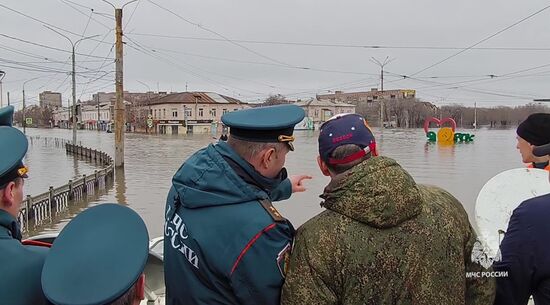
x: 383, y: 239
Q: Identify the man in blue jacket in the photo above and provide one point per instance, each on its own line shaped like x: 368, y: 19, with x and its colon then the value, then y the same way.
x: 21, y: 265
x: 525, y: 248
x: 224, y: 242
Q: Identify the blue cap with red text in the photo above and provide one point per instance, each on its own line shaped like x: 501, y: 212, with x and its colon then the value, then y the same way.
x: 345, y: 129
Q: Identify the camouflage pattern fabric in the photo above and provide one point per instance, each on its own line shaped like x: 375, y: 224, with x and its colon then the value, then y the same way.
x: 385, y: 240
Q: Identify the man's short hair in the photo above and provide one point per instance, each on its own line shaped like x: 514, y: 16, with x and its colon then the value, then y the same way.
x: 341, y: 152
x: 127, y: 298
x: 247, y: 150
x: 17, y: 182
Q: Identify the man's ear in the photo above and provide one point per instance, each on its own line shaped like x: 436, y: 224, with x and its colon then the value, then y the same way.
x: 140, y: 287
x: 323, y: 166
x: 7, y: 195
x: 267, y: 157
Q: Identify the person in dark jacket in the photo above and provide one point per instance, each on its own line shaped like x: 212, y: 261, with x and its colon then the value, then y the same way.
x: 525, y: 248
x: 21, y: 265
x: 224, y: 241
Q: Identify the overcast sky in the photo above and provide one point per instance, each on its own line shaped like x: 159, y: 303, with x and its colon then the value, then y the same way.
x: 249, y: 49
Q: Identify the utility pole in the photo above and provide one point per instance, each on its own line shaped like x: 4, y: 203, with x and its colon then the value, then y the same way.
x: 98, y: 114
x: 148, y: 105
x: 73, y: 74
x: 381, y: 65
x: 74, y: 98
x: 2, y: 74
x: 119, y: 104
x: 475, y: 115
x: 24, y: 121
x: 8, y: 98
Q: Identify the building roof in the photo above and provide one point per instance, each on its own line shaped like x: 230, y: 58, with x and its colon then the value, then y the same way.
x: 195, y: 97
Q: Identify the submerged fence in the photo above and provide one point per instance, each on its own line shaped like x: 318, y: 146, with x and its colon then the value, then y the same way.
x: 40, y: 210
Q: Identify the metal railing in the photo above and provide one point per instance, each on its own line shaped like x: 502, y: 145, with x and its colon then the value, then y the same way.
x: 40, y: 210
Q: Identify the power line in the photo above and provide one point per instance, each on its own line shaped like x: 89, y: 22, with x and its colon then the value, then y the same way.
x: 349, y: 46
x: 481, y: 41
x: 474, y: 90
x: 45, y: 46
x: 485, y: 78
x: 68, y: 3
x: 220, y: 35
x: 111, y: 17
x: 40, y: 21
x: 175, y: 64
x: 305, y: 68
x: 132, y: 15
x: 104, y: 61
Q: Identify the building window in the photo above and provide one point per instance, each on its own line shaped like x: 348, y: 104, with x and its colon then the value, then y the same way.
x: 201, y: 112
x: 224, y: 111
x: 213, y: 112
x: 163, y: 113
x: 188, y: 112
x: 392, y: 96
x: 375, y: 97
x: 316, y: 113
x: 174, y: 113
x: 235, y: 109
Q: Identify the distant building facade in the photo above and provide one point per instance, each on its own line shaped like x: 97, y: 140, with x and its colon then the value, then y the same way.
x: 191, y: 112
x: 49, y: 99
x: 368, y: 96
x: 92, y: 118
x: 319, y: 111
x: 61, y: 117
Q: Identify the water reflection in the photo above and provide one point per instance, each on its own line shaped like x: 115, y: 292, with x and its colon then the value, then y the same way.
x: 120, y: 186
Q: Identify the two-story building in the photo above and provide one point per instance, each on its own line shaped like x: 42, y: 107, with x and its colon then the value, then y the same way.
x: 61, y: 117
x: 92, y: 118
x: 191, y: 112
x: 319, y: 111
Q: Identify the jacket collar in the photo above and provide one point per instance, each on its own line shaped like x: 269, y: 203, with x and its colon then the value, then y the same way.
x: 9, y: 227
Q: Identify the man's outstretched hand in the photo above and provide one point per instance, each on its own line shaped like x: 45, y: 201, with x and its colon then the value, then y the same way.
x: 298, y: 182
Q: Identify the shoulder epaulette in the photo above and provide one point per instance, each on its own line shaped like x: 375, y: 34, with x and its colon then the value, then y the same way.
x: 271, y: 210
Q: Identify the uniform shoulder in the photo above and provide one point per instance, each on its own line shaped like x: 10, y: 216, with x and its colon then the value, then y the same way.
x: 271, y: 210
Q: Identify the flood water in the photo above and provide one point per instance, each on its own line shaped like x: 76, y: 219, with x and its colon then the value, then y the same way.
x: 151, y: 161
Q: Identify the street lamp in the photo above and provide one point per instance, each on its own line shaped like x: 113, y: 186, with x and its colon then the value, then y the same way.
x: 148, y: 104
x: 2, y: 74
x: 73, y: 75
x: 24, y: 121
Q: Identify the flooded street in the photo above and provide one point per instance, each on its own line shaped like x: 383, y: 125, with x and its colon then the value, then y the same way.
x: 151, y: 161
